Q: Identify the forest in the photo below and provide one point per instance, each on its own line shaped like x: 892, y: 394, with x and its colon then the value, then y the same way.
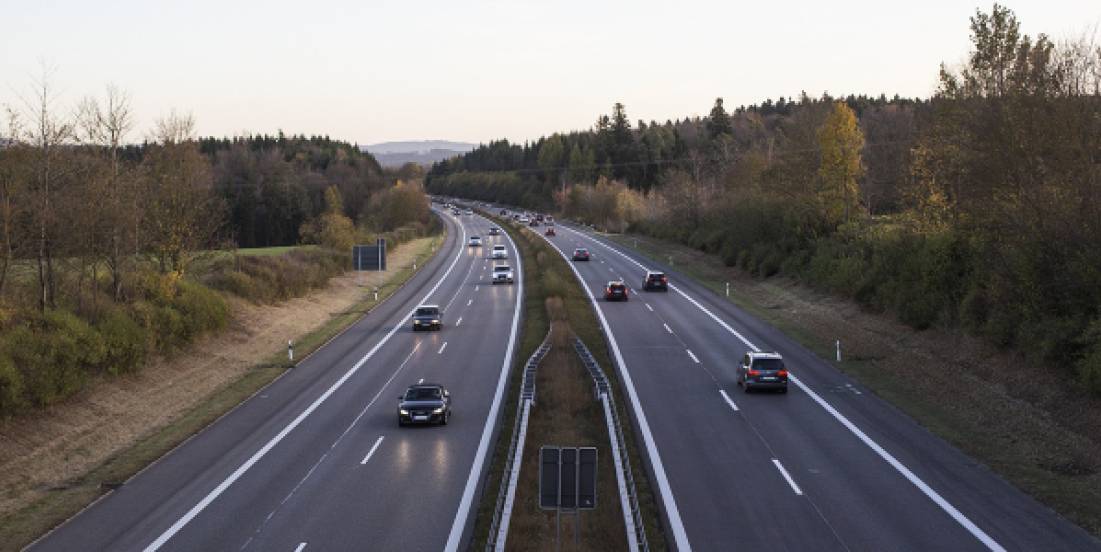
x: 976, y: 209
x: 113, y: 250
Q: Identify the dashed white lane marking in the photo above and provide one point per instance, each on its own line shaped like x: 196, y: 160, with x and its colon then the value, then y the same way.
x: 420, y: 381
x: 668, y: 329
x: 301, y: 546
x: 610, y: 269
x: 649, y: 307
x: 795, y: 488
x: 476, y: 288
x: 689, y: 351
x: 370, y: 452
x: 728, y: 400
x: 443, y: 347
x: 459, y: 322
x: 469, y: 301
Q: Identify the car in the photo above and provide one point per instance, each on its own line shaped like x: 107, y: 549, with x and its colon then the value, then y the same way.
x: 655, y: 281
x: 581, y: 254
x: 539, y: 218
x: 533, y: 222
x: 523, y: 220
x: 549, y: 219
x: 475, y: 241
x: 427, y: 317
x: 502, y: 274
x: 616, y: 290
x: 504, y: 212
x: 499, y: 252
x: 763, y: 370
x: 424, y: 403
x: 494, y: 231
x: 550, y: 232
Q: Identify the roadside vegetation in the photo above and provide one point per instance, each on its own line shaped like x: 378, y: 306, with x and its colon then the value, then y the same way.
x: 566, y: 412
x: 975, y: 210
x: 112, y: 253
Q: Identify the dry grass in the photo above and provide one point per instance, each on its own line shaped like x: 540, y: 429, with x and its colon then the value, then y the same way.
x: 53, y: 452
x: 1030, y: 425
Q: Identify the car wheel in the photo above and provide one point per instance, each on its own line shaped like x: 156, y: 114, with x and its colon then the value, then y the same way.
x: 745, y: 386
x: 443, y: 419
x: 784, y: 389
x: 400, y: 423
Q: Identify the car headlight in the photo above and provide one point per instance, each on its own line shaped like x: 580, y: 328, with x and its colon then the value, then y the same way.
x: 438, y: 410
x: 436, y: 321
x: 403, y: 412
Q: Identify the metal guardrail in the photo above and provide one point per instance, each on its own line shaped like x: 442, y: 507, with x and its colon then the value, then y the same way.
x: 603, y: 391
x: 502, y: 511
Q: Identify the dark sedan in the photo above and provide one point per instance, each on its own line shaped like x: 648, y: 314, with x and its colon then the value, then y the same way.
x: 425, y: 403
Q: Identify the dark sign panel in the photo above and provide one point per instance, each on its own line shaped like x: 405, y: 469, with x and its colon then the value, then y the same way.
x: 586, y: 476
x: 548, y: 478
x: 568, y: 480
x: 369, y: 257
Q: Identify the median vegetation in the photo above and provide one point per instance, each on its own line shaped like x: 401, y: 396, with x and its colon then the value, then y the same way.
x: 566, y: 412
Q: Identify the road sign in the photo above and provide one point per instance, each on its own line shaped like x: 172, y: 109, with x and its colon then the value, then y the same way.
x: 369, y: 257
x: 567, y: 478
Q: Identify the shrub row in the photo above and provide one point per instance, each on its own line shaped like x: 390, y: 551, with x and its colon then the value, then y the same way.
x: 49, y: 356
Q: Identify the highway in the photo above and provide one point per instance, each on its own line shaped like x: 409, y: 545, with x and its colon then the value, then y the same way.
x: 827, y: 466
x: 316, y: 460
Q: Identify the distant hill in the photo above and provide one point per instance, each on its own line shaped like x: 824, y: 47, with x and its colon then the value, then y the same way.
x: 424, y: 152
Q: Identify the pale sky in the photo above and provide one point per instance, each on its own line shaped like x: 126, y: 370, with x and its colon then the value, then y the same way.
x: 373, y: 71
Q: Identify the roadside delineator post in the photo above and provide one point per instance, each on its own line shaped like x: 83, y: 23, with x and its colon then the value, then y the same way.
x: 376, y: 294
x: 838, y: 350
x: 290, y: 350
x: 728, y: 289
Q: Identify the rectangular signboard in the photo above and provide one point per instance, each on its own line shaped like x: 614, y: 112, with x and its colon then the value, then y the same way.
x: 369, y: 257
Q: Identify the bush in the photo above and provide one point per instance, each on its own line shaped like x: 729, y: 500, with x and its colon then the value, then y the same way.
x: 11, y: 387
x: 125, y: 342
x: 54, y: 354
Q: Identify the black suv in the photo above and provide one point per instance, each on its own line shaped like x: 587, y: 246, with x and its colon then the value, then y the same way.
x: 763, y: 371
x: 615, y: 291
x: 424, y: 403
x: 427, y: 317
x: 655, y: 281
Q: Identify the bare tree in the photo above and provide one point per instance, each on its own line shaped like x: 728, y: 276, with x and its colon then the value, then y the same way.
x: 106, y: 124
x: 47, y: 135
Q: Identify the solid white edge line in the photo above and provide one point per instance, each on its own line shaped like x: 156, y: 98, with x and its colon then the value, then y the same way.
x: 513, y: 479
x: 442, y: 347
x: 944, y: 505
x: 621, y: 481
x: 459, y: 525
x: 795, y: 488
x: 300, y: 547
x: 229, y: 480
x: 728, y: 400
x: 373, y: 449
x: 649, y: 307
x: 691, y: 354
x: 680, y: 537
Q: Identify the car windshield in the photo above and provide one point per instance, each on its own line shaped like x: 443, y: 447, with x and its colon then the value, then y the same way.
x: 500, y: 269
x: 616, y: 287
x: 580, y: 251
x: 656, y: 275
x: 769, y: 364
x: 422, y: 394
x: 428, y: 311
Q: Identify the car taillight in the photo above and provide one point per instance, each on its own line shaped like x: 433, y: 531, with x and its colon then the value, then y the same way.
x: 782, y: 373
x: 664, y: 280
x: 607, y: 290
x: 752, y: 372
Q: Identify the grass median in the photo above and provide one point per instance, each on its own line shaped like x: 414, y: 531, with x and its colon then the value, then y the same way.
x: 66, y: 499
x: 566, y: 410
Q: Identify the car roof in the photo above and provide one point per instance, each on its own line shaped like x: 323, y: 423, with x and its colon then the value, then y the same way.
x: 499, y: 245
x: 765, y: 354
x: 616, y: 283
x: 428, y: 306
x: 495, y: 267
x: 425, y: 386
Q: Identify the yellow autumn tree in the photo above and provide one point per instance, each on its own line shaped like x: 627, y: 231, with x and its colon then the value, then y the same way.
x: 841, y: 141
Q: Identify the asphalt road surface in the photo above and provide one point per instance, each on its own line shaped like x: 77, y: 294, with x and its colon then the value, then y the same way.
x: 316, y: 461
x: 827, y: 466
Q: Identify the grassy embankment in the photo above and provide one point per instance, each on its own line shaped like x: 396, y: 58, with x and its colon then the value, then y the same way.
x: 566, y: 412
x: 1031, y: 429
x: 26, y: 524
